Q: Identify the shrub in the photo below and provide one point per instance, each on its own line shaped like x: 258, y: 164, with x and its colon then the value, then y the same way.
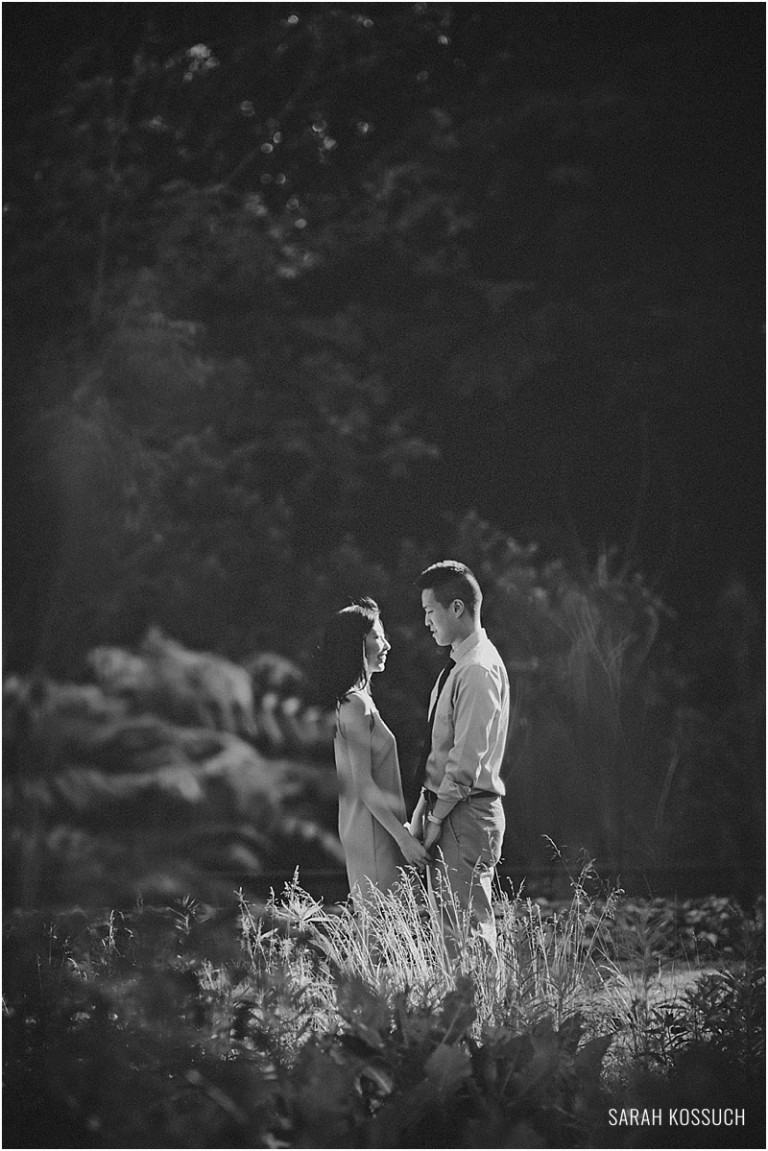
x: 300, y: 1025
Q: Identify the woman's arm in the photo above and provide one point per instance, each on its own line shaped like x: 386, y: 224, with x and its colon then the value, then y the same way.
x: 356, y: 727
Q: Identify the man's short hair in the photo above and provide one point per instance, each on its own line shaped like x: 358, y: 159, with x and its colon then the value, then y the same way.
x: 450, y: 580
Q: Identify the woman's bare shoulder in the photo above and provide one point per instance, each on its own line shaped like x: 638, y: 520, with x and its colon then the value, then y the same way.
x: 356, y: 707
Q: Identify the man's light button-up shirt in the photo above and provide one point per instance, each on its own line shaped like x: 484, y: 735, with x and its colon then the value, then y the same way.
x: 471, y: 722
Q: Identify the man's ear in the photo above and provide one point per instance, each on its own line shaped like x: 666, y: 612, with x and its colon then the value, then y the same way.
x: 459, y: 607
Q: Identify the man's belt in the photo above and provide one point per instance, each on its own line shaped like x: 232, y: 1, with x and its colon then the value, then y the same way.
x: 431, y: 796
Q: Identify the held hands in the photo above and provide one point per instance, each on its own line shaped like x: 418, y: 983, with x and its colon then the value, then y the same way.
x: 416, y: 823
x: 414, y: 852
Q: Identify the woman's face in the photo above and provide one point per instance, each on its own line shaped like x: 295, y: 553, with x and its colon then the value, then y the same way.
x: 376, y: 647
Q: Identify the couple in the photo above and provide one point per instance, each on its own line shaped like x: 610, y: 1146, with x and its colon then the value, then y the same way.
x: 459, y: 818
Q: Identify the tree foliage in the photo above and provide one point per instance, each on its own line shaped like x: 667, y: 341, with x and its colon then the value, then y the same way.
x: 285, y: 285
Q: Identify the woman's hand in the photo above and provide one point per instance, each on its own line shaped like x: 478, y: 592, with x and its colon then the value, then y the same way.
x: 414, y: 852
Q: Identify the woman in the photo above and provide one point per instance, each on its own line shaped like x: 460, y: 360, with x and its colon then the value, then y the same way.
x: 371, y: 806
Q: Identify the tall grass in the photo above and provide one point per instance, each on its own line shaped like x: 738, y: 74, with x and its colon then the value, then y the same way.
x: 417, y: 944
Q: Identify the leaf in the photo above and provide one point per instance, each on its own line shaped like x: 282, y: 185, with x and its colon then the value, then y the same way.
x: 458, y: 1010
x: 447, y: 1067
x: 414, y: 1027
x: 380, y: 1077
x: 589, y: 1059
x: 324, y: 1092
x: 366, y: 1014
x: 547, y: 1054
x: 570, y: 1033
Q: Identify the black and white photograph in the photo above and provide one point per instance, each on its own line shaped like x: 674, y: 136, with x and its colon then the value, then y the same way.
x: 384, y: 575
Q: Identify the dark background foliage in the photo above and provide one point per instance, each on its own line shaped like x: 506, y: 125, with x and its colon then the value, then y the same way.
x: 301, y: 298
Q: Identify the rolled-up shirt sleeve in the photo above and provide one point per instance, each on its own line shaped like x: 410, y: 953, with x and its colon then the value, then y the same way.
x: 477, y: 702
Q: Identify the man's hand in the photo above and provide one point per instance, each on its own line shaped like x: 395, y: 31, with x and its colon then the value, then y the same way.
x: 431, y: 834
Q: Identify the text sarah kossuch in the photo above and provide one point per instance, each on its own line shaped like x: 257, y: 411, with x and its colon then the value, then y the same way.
x: 676, y: 1117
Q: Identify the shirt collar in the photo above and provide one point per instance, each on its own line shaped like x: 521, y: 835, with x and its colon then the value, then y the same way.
x: 466, y: 645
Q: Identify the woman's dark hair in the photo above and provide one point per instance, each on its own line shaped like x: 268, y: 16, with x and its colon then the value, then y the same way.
x: 341, y: 657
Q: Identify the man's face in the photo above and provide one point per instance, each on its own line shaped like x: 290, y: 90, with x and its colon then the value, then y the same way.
x: 441, y: 621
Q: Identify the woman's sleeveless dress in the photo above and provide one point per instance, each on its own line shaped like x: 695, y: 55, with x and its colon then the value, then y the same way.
x: 372, y: 855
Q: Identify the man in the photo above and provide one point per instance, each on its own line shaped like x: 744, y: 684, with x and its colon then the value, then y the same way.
x: 460, y: 811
